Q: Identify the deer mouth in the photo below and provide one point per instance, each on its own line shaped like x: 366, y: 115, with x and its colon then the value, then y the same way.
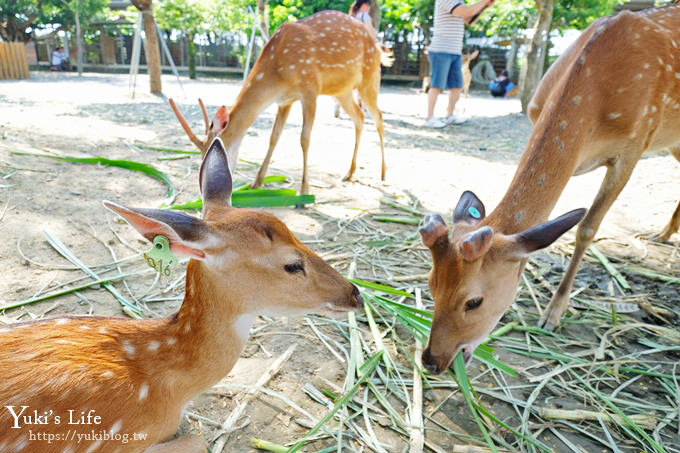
x: 467, y: 354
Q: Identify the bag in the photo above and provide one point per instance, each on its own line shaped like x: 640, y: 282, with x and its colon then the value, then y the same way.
x: 497, y: 89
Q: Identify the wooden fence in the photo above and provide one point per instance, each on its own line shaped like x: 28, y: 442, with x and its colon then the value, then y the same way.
x: 13, y: 64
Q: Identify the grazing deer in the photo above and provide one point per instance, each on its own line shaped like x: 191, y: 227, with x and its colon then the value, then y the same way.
x: 612, y: 96
x: 120, y: 377
x: 327, y: 53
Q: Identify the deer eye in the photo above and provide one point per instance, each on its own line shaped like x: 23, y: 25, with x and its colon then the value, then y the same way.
x: 294, y: 268
x: 473, y: 303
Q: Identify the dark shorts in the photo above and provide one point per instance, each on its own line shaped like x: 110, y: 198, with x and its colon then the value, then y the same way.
x: 445, y: 69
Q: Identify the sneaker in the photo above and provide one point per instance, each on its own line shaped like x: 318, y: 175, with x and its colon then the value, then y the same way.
x: 453, y: 119
x: 435, y: 123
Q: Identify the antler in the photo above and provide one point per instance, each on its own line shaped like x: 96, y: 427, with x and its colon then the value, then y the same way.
x: 205, y: 116
x: 196, y: 141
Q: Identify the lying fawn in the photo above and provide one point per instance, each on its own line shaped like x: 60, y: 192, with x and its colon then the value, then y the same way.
x: 123, y: 378
x: 327, y: 53
x: 593, y: 108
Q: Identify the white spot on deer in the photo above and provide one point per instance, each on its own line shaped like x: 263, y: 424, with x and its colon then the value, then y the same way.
x: 576, y: 100
x: 613, y: 115
x: 556, y: 140
x: 636, y: 35
x: 154, y: 345
x: 637, y: 77
x: 285, y: 50
x: 588, y: 72
x: 669, y: 68
x: 519, y: 216
x: 304, y: 71
x: 62, y: 321
x: 116, y: 427
x: 271, y: 57
x: 634, y: 134
x: 645, y: 66
x: 107, y: 374
x: 541, y: 180
x: 563, y: 124
x: 85, y: 327
x: 257, y: 77
x: 677, y: 75
x: 94, y: 446
x: 68, y: 449
x: 170, y: 341
x: 653, y: 108
x: 650, y: 121
x: 129, y: 348
x: 659, y: 60
x: 644, y: 110
x: 323, y: 35
x: 187, y: 328
x: 143, y: 391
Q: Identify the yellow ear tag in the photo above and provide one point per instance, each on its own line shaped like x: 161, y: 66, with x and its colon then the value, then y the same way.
x: 160, y: 257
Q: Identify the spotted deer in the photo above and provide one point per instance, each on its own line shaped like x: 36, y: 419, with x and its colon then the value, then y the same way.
x: 122, y: 378
x: 327, y: 53
x: 612, y: 96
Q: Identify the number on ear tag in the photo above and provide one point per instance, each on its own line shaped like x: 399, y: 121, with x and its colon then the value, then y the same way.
x: 160, y: 257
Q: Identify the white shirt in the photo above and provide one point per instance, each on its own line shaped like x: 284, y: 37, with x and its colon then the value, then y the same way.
x: 448, y: 28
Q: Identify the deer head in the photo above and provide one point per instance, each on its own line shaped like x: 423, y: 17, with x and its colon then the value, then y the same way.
x: 212, y: 129
x: 248, y: 255
x: 475, y: 275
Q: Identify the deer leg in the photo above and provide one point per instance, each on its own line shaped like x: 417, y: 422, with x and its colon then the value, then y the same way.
x: 279, y: 122
x: 184, y: 444
x: 369, y: 94
x: 308, y: 112
x: 350, y: 106
x: 614, y: 181
x: 674, y: 223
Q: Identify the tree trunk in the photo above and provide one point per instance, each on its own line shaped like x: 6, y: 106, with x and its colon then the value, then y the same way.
x: 153, y: 55
x: 264, y: 20
x: 533, y: 70
x: 191, y: 55
x: 79, y: 44
x: 376, y: 10
x: 512, y: 58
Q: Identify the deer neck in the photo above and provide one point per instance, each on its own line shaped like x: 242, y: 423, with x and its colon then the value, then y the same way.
x: 207, y: 335
x: 549, y: 161
x: 250, y: 102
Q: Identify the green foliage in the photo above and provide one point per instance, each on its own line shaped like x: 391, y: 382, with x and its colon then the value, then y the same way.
x: 191, y: 16
x: 505, y: 16
x: 20, y: 18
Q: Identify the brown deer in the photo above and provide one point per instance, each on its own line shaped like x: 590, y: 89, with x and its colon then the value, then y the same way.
x: 327, y: 53
x: 612, y: 96
x: 129, y: 380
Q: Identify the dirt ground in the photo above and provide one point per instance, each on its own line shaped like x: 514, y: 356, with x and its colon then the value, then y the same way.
x: 95, y: 115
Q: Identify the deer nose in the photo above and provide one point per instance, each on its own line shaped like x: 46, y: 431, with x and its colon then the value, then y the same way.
x: 358, y: 297
x: 429, y: 363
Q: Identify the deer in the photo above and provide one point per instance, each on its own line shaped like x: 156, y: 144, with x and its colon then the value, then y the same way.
x: 591, y: 109
x: 327, y: 53
x: 123, y: 377
x: 467, y: 74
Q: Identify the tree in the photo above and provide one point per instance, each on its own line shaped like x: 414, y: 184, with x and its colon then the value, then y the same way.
x: 153, y: 55
x: 533, y: 70
x: 19, y: 19
x: 190, y: 16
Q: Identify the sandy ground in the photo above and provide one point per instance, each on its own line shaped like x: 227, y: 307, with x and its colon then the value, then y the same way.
x: 95, y: 115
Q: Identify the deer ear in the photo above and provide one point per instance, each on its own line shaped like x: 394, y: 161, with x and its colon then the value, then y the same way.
x: 215, y: 177
x: 543, y: 235
x: 433, y: 229
x: 469, y: 209
x: 474, y: 54
x: 219, y: 122
x: 476, y: 243
x: 187, y: 235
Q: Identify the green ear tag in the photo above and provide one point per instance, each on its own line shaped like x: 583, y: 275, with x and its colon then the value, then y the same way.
x: 160, y: 257
x: 474, y: 212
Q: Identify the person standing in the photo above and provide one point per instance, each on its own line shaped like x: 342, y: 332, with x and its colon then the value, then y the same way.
x: 444, y: 53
